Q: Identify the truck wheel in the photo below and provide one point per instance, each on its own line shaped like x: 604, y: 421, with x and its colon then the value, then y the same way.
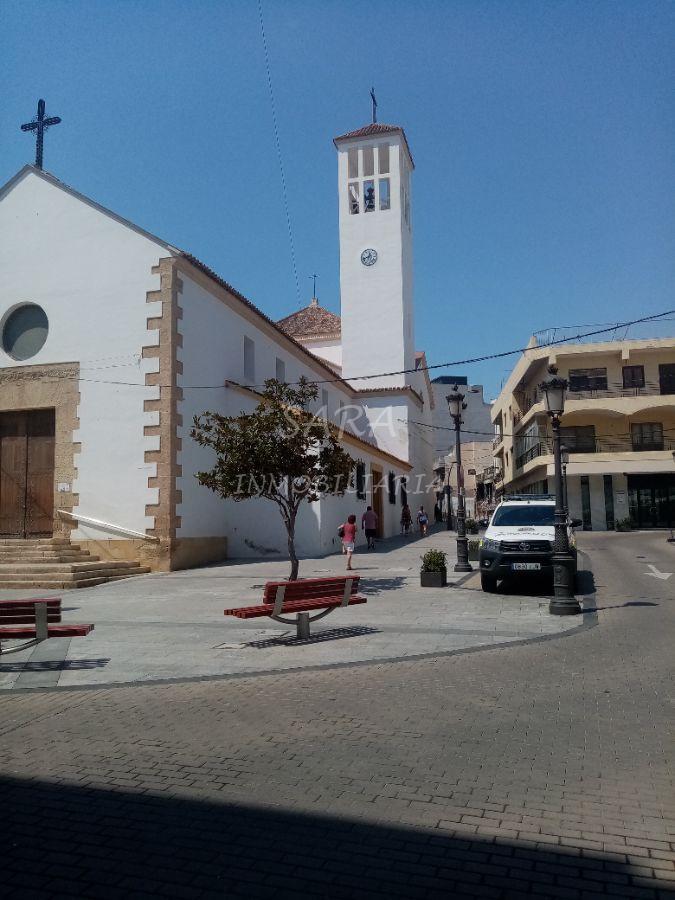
x: 488, y: 582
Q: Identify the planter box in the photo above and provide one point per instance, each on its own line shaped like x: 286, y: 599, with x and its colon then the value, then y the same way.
x: 434, y: 579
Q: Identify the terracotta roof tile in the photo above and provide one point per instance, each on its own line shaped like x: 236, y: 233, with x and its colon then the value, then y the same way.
x: 312, y: 321
x: 376, y: 129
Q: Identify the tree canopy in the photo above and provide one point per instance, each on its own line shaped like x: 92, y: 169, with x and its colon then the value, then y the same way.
x: 280, y: 452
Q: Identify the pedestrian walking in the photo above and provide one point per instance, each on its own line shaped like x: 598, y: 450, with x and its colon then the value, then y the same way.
x: 348, y: 535
x: 369, y: 522
x: 406, y: 519
x: 422, y: 521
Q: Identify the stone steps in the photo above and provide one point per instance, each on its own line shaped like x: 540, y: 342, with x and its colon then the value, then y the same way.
x: 56, y: 563
x: 61, y: 556
x: 65, y: 583
x: 67, y: 567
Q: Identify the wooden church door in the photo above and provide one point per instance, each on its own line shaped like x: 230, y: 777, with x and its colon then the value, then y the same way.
x: 27, y: 473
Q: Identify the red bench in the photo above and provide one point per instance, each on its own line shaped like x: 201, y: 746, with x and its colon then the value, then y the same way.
x: 303, y: 597
x: 36, y: 619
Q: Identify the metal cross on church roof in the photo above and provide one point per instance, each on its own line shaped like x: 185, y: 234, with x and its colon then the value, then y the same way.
x: 372, y: 97
x: 39, y: 125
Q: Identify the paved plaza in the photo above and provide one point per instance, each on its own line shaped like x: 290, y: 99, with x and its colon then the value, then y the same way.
x: 539, y: 768
x: 172, y: 625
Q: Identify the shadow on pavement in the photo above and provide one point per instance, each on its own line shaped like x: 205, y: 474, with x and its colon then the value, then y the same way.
x: 54, y: 665
x: 377, y: 585
x: 328, y: 634
x: 78, y: 841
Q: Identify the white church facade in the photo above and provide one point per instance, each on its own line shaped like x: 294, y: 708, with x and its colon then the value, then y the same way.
x: 112, y: 340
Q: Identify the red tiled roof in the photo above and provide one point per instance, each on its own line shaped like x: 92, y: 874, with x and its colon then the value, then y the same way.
x: 375, y: 129
x: 312, y: 321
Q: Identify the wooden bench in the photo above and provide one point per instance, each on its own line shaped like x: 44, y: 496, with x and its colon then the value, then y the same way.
x: 323, y: 595
x: 36, y: 619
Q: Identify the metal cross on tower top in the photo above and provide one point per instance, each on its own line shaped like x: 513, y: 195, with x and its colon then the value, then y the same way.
x: 313, y: 276
x: 372, y: 97
x: 39, y: 125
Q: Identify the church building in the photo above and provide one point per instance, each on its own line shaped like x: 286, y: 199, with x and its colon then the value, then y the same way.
x: 112, y: 340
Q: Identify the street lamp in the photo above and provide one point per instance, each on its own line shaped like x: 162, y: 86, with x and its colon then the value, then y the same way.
x: 564, y: 603
x: 456, y: 406
x: 564, y: 459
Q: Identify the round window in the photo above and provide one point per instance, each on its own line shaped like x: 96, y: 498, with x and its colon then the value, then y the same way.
x: 24, y: 331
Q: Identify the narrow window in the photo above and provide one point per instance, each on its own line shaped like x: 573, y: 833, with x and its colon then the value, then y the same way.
x: 354, y: 198
x: 369, y: 196
x: 404, y: 490
x: 385, y: 200
x: 586, y: 503
x: 391, y: 487
x: 249, y: 359
x: 368, y: 162
x: 588, y: 380
x: 609, y: 501
x: 324, y: 399
x: 353, y: 162
x: 633, y: 376
x: 647, y: 436
x: 383, y: 158
x: 361, y: 480
x: 281, y: 370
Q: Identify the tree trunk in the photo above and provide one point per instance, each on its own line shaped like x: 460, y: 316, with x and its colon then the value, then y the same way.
x: 295, y: 563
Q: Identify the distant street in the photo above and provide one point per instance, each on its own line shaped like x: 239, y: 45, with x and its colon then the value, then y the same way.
x: 536, y: 769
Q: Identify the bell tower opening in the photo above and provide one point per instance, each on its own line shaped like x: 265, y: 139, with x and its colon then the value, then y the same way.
x: 376, y: 281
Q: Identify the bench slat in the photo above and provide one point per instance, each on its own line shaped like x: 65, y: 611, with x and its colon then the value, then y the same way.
x: 266, y: 609
x: 16, y: 631
x: 30, y: 601
x: 310, y: 588
x: 26, y: 618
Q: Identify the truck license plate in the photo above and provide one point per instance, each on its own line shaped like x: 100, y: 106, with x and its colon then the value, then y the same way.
x: 526, y: 567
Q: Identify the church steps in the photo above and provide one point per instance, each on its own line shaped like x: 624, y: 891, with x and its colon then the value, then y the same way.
x: 37, y: 556
x: 69, y: 567
x: 58, y: 564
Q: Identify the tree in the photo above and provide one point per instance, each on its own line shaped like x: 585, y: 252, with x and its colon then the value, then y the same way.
x: 280, y: 452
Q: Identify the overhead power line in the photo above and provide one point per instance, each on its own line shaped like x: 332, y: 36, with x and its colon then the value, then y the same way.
x: 341, y: 380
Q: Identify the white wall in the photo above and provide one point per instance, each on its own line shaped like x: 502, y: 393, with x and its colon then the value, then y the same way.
x: 90, y: 274
x: 331, y: 351
x: 212, y: 352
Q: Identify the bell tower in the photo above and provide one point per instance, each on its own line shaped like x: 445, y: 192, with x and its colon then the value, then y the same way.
x: 376, y: 268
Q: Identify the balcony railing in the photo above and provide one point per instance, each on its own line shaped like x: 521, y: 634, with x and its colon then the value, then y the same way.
x: 496, y: 440
x: 599, y: 445
x: 610, y: 389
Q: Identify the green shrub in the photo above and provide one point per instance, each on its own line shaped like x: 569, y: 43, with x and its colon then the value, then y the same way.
x: 623, y: 525
x: 434, y: 561
x: 474, y: 547
x: 471, y: 526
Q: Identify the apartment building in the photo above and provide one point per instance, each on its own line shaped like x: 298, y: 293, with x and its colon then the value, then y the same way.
x: 618, y: 429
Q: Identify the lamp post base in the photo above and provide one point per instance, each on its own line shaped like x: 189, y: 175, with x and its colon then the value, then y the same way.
x: 564, y: 603
x: 463, y: 567
x: 564, y: 607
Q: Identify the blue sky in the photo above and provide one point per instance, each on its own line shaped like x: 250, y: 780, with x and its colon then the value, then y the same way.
x: 542, y: 134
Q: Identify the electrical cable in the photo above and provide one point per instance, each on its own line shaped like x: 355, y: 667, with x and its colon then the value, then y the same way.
x: 443, y: 365
x: 277, y: 141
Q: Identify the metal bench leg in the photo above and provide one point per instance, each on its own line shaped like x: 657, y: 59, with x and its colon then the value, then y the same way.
x: 303, y: 626
x: 41, y: 626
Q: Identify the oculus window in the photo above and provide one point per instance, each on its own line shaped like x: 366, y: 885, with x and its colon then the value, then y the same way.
x: 24, y: 331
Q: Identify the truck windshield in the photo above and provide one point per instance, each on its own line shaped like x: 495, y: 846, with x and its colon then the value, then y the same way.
x: 523, y: 515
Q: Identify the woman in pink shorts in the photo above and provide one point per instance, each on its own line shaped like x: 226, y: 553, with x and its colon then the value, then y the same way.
x: 349, y: 530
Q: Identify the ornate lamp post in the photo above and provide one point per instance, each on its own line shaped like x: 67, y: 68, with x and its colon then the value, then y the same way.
x: 456, y: 406
x: 564, y: 603
x: 564, y: 459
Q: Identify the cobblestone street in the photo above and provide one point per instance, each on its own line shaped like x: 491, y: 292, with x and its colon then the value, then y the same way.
x: 534, y: 769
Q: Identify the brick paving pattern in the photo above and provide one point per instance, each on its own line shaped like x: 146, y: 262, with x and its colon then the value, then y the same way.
x: 532, y: 770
